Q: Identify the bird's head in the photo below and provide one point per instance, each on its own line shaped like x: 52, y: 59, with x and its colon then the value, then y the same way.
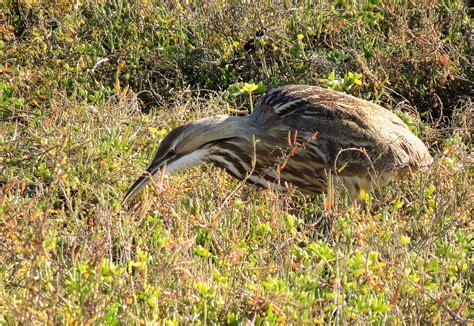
x: 188, y: 146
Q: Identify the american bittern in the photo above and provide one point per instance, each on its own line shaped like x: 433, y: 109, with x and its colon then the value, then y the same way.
x: 297, y: 135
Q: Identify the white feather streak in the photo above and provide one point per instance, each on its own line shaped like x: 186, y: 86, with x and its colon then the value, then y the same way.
x: 281, y: 107
x: 186, y: 161
x: 229, y: 165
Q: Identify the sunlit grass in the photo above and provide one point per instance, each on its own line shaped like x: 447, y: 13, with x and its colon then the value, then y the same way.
x: 200, y: 247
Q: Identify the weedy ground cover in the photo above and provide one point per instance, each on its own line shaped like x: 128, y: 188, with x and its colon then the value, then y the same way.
x: 87, y: 91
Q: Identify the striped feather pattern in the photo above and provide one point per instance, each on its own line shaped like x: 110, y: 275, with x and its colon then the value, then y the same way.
x: 298, y: 135
x: 364, y: 142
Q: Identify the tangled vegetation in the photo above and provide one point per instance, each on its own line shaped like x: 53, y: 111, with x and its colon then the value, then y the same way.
x: 89, y: 88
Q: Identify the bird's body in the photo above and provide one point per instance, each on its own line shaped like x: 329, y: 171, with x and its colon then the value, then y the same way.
x: 298, y: 135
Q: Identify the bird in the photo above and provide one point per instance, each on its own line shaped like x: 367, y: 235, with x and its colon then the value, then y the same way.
x: 298, y: 136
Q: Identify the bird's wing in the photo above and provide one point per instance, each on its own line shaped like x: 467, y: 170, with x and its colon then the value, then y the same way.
x: 351, y: 132
x: 303, y: 101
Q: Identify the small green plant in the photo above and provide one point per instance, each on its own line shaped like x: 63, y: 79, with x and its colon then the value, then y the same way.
x: 345, y: 83
x: 250, y: 88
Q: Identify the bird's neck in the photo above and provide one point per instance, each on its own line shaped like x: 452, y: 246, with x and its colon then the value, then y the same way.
x: 234, y: 127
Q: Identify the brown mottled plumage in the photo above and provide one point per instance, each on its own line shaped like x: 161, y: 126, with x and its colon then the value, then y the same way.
x: 298, y: 135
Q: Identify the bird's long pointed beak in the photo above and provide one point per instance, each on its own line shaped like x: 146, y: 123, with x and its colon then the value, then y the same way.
x: 143, y: 180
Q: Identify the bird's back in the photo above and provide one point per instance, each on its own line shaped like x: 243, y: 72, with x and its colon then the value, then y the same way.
x: 349, y: 131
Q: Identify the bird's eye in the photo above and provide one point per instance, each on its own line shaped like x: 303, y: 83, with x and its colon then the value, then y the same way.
x: 171, y: 153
